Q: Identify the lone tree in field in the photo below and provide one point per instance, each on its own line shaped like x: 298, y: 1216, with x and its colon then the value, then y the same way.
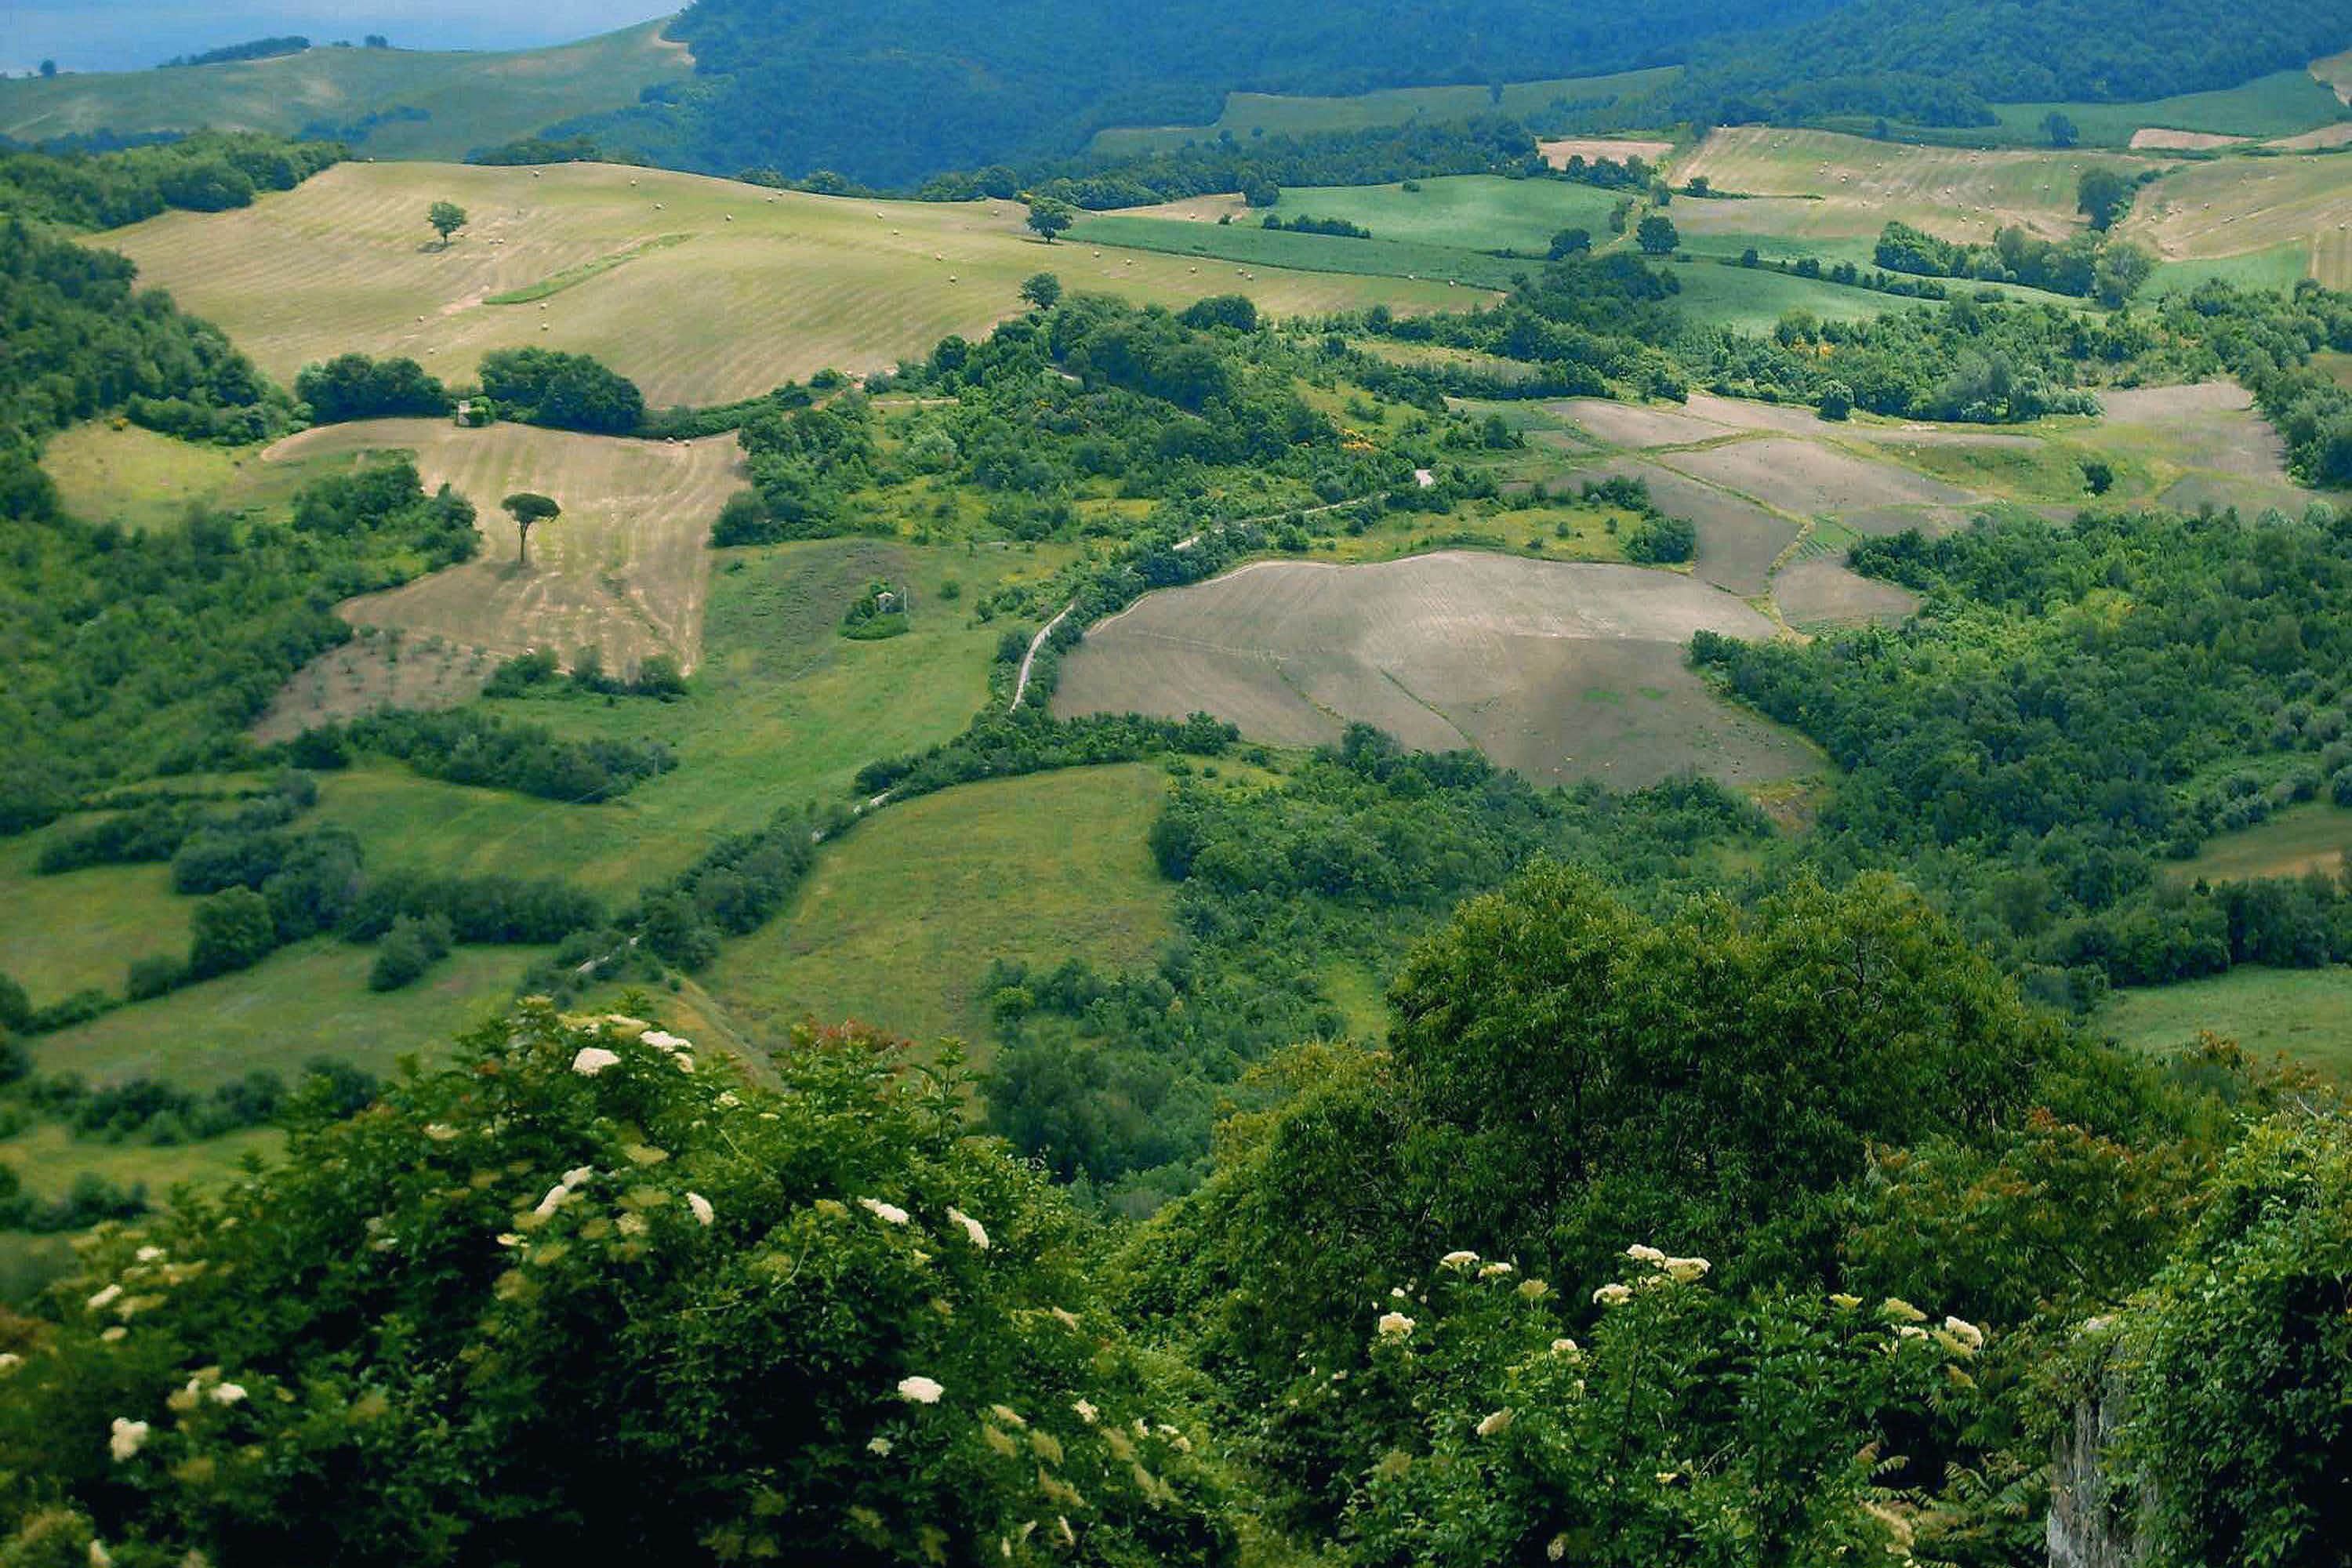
x: 2101, y: 195
x: 528, y: 506
x: 2060, y: 130
x: 446, y: 218
x: 1050, y: 217
x: 1040, y: 290
x: 1657, y: 235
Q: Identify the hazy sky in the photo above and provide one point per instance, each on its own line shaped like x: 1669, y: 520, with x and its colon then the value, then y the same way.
x: 127, y: 35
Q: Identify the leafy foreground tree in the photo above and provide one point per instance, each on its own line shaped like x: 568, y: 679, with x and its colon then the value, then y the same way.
x: 584, y: 1297
x: 446, y: 218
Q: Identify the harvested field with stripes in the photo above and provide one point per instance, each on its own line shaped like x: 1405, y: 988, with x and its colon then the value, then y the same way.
x: 625, y: 570
x: 2236, y: 206
x: 1820, y: 185
x: 701, y: 290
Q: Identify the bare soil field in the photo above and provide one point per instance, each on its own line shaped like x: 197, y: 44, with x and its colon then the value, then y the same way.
x: 1819, y: 592
x: 1738, y: 540
x: 2317, y: 140
x: 1593, y: 149
x: 382, y: 667
x: 1637, y: 425
x: 624, y: 569
x: 1798, y: 420
x: 2211, y: 424
x: 1804, y: 479
x: 1559, y: 669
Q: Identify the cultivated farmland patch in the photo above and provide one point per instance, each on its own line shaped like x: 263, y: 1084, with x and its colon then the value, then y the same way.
x: 1818, y: 592
x: 624, y: 569
x: 699, y: 289
x: 1819, y: 184
x: 1804, y: 479
x: 1559, y: 669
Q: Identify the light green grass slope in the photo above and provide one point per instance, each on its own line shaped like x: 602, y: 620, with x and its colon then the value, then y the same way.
x: 470, y: 100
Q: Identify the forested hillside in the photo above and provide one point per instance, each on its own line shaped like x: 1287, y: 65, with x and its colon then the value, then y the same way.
x: 1928, y: 61
x: 892, y: 91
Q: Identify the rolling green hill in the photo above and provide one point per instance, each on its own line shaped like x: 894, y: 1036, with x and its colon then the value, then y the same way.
x: 432, y: 105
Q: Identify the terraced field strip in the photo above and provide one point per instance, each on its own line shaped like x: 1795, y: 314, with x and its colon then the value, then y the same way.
x: 624, y: 569
x: 728, y: 291
x: 1819, y: 184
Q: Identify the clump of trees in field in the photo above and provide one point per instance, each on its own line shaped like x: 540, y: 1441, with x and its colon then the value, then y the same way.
x: 562, y: 391
x: 353, y: 387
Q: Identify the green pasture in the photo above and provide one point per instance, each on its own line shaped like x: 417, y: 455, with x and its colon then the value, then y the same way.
x: 898, y: 924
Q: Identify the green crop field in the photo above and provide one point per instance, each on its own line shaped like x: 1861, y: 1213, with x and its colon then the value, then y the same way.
x: 2280, y: 267
x: 717, y: 289
x: 468, y: 99
x: 1253, y: 113
x: 2303, y: 1014
x: 49, y: 1159
x: 898, y: 924
x: 1469, y: 212
x: 2279, y: 104
x: 301, y: 1002
x: 1713, y: 294
x: 1253, y: 247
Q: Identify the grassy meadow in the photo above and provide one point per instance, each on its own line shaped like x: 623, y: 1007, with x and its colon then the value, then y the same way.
x: 2304, y: 1014
x: 301, y: 1002
x: 898, y: 924
x: 700, y: 290
x: 468, y: 98
x: 81, y: 930
x: 2300, y: 840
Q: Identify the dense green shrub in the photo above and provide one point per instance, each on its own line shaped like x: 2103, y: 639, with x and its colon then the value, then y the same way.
x: 2240, y: 1418
x: 588, y: 1286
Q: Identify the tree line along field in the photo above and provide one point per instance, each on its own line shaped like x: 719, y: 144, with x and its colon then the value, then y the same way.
x: 701, y: 290
x: 467, y: 99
